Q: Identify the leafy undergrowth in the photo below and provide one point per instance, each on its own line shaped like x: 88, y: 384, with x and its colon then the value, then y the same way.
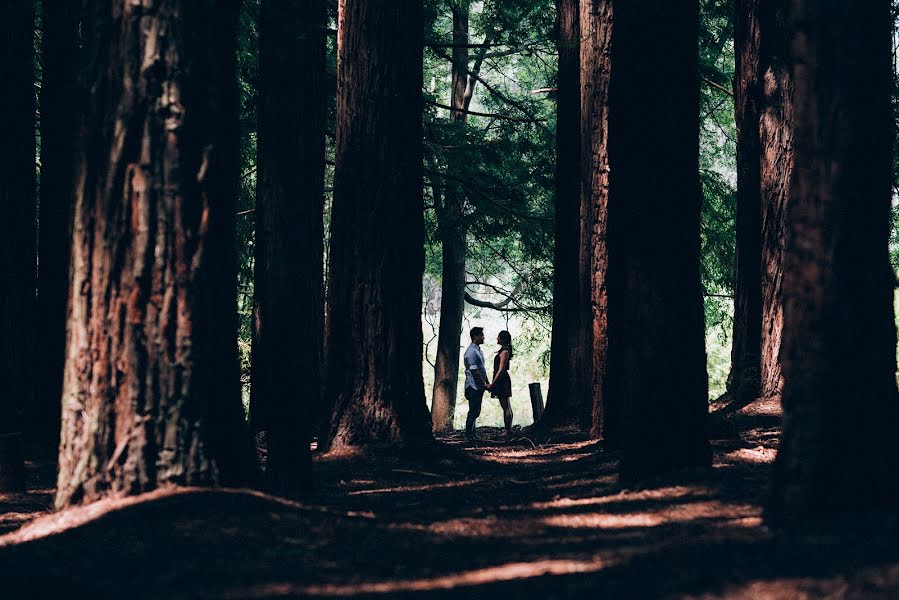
x: 525, y: 520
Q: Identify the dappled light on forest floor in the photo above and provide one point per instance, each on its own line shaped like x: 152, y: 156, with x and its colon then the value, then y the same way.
x: 497, y: 574
x: 523, y: 519
x: 415, y: 488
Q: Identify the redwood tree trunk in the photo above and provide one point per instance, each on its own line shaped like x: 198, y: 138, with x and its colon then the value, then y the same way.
x: 568, y: 402
x: 452, y: 232
x: 150, y: 394
x: 743, y: 379
x: 374, y: 340
x: 289, y: 305
x: 452, y: 308
x: 839, y: 450
x: 776, y: 172
x: 654, y: 294
x: 764, y: 116
x: 59, y: 118
x: 596, y: 70
x: 17, y: 251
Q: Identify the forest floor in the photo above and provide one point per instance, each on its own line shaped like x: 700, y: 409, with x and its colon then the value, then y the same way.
x: 524, y: 519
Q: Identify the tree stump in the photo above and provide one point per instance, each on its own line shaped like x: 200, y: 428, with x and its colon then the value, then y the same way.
x: 536, y: 400
x: 12, y: 466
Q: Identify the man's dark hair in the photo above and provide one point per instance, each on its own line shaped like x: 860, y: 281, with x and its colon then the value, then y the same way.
x: 475, y: 331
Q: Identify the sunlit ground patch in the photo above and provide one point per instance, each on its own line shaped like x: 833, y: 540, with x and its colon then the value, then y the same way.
x: 758, y: 455
x: 661, y: 494
x: 498, y: 573
x: 680, y: 513
x: 417, y: 488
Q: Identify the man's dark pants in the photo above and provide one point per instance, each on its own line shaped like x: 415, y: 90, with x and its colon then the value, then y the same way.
x: 474, y: 398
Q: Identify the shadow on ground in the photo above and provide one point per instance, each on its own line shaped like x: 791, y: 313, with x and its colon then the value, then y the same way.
x: 527, y: 519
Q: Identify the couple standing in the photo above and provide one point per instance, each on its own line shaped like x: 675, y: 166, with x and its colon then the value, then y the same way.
x: 476, y: 378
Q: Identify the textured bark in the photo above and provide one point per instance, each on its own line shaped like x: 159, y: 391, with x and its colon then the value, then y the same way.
x: 150, y: 394
x: 839, y: 450
x: 764, y: 116
x: 657, y: 372
x: 59, y: 118
x: 452, y: 231
x: 17, y: 200
x: 776, y: 171
x: 374, y: 340
x: 452, y: 308
x: 743, y: 379
x: 568, y: 402
x: 596, y: 69
x: 289, y: 305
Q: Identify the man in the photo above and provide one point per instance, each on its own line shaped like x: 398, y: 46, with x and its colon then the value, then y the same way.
x: 475, y: 380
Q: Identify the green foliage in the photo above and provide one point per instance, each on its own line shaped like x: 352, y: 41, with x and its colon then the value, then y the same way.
x: 502, y: 163
x: 717, y: 157
x: 248, y: 76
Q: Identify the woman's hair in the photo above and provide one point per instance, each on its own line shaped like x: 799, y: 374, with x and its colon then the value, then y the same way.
x: 505, y: 341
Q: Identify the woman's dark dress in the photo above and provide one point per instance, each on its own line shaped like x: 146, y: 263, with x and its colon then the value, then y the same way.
x: 502, y: 386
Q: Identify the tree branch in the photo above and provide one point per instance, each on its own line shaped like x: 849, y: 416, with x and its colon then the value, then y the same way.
x: 718, y: 86
x: 481, y: 114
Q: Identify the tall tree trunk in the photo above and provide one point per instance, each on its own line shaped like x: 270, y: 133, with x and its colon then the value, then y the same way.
x: 567, y: 403
x: 764, y: 167
x: 289, y: 304
x: 374, y: 340
x: 776, y: 172
x: 596, y: 40
x: 657, y: 374
x: 839, y: 450
x: 59, y: 118
x: 150, y: 394
x: 452, y: 232
x: 17, y: 248
x: 745, y: 359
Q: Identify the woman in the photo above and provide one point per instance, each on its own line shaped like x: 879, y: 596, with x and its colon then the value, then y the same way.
x: 501, y: 386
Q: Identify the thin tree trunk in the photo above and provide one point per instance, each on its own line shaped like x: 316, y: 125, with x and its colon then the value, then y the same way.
x: 452, y: 233
x: 568, y: 403
x: 839, y: 450
x: 17, y: 248
x: 288, y: 308
x: 150, y: 394
x: 657, y: 374
x: 374, y: 340
x: 59, y: 118
x: 452, y: 307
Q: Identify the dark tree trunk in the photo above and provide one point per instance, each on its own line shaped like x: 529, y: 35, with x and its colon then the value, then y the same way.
x: 452, y: 232
x: 59, y: 119
x: 374, y: 340
x: 596, y: 39
x: 568, y: 401
x: 776, y: 172
x: 657, y: 373
x: 764, y: 167
x: 289, y: 305
x: 839, y: 450
x: 150, y: 394
x: 745, y: 358
x: 17, y: 248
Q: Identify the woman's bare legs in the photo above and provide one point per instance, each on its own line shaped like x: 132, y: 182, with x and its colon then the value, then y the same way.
x: 506, y: 404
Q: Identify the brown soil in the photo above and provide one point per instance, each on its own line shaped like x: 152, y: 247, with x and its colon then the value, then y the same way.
x: 524, y: 520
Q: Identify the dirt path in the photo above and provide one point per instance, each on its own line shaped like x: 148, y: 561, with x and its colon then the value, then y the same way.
x: 527, y: 521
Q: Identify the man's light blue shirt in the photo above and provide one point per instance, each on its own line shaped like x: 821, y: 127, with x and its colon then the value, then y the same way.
x: 474, y: 360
